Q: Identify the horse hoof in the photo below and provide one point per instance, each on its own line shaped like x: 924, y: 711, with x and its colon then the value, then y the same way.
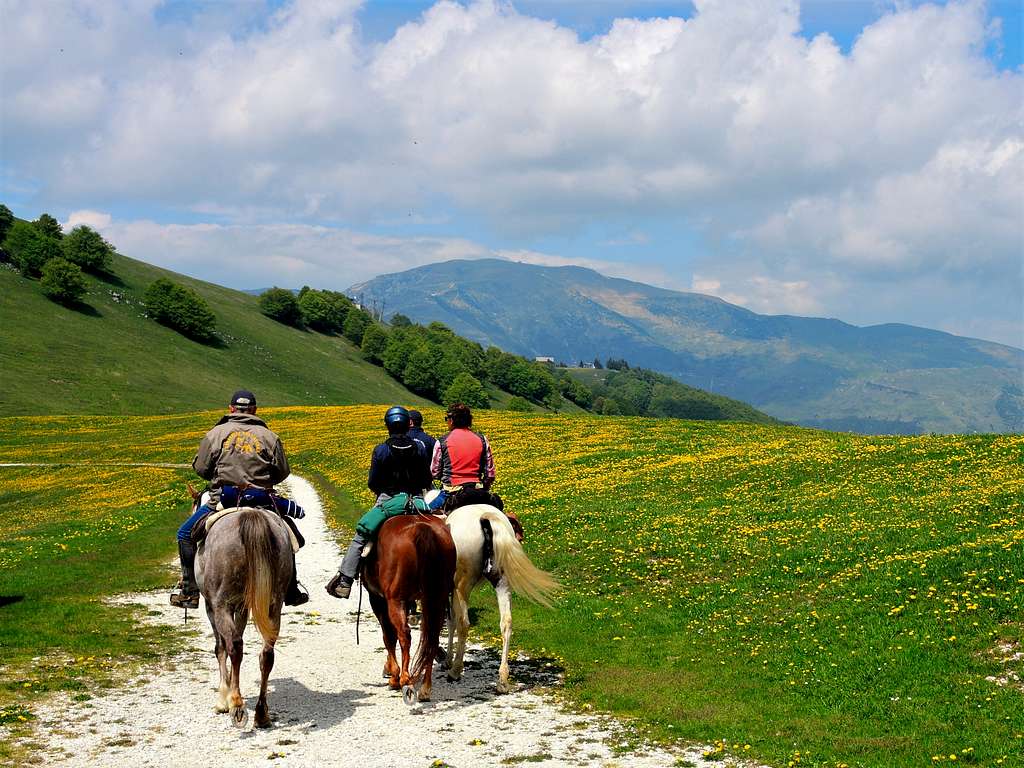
x: 262, y: 722
x: 409, y: 695
x: 453, y: 678
x: 220, y: 708
x: 503, y: 687
x: 239, y: 717
x: 421, y: 696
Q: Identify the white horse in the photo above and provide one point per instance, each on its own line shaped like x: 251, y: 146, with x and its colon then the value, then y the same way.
x: 511, y: 571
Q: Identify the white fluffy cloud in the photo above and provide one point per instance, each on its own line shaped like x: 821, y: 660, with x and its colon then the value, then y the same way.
x: 812, y: 173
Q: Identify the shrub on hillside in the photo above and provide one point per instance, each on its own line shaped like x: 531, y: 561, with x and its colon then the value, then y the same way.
x: 521, y: 404
x: 355, y: 324
x: 375, y: 341
x: 180, y: 308
x: 49, y: 226
x: 281, y: 305
x: 320, y: 312
x: 86, y: 247
x: 419, y: 375
x: 29, y: 248
x: 466, y: 389
x: 62, y: 281
x: 6, y: 221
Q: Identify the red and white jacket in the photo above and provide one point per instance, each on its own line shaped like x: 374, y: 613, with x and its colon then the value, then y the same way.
x: 462, y: 456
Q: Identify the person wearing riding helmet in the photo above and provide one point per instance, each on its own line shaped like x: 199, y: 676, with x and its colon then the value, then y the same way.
x: 398, y: 465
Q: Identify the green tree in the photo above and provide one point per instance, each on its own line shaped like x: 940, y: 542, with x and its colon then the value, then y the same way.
x: 517, y: 403
x: 419, y: 373
x: 396, y: 354
x: 85, y: 247
x: 399, y: 320
x: 6, y: 221
x: 355, y: 324
x: 467, y: 389
x: 180, y: 308
x: 62, y: 281
x: 49, y: 226
x: 317, y: 312
x: 29, y: 248
x: 280, y: 304
x: 375, y: 341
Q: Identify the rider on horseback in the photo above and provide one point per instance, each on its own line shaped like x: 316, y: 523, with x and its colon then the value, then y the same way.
x: 239, y: 451
x: 416, y: 432
x: 398, y: 466
x: 463, y: 462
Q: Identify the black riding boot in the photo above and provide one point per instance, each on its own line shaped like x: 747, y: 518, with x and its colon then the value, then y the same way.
x: 188, y: 593
x: 296, y: 595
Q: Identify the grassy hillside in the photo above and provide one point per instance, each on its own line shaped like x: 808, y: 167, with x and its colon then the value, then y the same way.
x: 802, y: 597
x: 639, y: 392
x: 106, y: 357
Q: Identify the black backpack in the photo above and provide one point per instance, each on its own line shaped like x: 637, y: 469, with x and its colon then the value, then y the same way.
x: 406, y: 465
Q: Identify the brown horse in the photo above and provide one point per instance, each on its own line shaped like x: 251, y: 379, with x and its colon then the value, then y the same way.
x: 412, y: 559
x: 243, y: 569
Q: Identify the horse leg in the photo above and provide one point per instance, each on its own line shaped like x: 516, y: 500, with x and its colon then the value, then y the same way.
x: 505, y: 610
x: 239, y: 715
x: 225, y: 674
x: 222, y: 663
x: 380, y: 609
x: 460, y: 616
x: 447, y: 659
x: 266, y: 664
x: 396, y: 612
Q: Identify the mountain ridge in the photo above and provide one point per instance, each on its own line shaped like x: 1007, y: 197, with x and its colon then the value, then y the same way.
x: 813, y: 371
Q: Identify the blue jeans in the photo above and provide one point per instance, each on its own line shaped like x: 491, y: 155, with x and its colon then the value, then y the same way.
x: 185, y: 532
x: 438, y: 501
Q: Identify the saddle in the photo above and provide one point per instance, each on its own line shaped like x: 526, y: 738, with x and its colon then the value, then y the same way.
x: 470, y: 493
x: 204, y: 524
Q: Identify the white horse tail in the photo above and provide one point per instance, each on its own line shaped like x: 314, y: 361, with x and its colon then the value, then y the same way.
x: 523, y: 576
x: 257, y: 539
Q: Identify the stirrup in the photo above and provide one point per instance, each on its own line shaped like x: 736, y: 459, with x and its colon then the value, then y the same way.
x: 338, y: 586
x: 185, y: 599
x: 296, y: 596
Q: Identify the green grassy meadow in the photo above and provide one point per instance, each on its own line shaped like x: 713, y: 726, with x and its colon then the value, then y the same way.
x: 799, y: 597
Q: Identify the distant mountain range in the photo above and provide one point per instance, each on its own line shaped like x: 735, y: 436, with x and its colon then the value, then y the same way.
x: 817, y: 372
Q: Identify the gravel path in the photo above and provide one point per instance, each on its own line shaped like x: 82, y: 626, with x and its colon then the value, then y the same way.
x: 329, y: 702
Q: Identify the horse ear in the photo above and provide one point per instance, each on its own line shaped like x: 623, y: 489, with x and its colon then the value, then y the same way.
x: 193, y: 492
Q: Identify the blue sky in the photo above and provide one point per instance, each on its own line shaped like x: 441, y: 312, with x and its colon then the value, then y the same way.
x: 859, y: 160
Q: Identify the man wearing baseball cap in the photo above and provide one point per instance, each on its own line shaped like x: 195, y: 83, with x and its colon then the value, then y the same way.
x: 239, y: 451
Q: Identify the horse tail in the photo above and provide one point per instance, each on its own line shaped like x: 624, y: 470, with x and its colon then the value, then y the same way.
x: 258, y: 542
x: 436, y: 555
x: 523, y: 576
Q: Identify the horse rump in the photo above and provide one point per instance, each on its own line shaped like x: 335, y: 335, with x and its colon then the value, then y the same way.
x: 436, y: 560
x: 510, y: 558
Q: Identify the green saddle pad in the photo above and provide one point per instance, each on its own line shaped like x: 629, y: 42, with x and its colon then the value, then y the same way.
x: 398, y: 504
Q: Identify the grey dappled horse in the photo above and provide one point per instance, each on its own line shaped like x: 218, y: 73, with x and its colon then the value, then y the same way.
x: 243, y: 570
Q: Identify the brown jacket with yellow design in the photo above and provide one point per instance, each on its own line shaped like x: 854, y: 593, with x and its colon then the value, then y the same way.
x: 240, y: 451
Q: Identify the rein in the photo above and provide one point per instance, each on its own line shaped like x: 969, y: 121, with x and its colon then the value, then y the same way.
x: 359, y: 610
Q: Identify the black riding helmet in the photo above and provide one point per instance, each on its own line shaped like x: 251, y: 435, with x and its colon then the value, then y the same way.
x: 396, y: 419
